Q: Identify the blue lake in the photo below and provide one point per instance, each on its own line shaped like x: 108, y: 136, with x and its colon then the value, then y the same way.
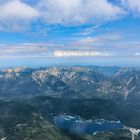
x: 76, y: 125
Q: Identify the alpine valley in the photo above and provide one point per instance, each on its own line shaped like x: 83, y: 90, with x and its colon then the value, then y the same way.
x: 70, y: 103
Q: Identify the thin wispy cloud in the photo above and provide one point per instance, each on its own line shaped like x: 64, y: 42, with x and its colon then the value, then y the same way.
x: 100, y: 40
x: 88, y: 31
x: 137, y: 54
x: 60, y: 53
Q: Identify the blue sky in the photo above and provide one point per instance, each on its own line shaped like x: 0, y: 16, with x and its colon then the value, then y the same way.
x: 48, y: 32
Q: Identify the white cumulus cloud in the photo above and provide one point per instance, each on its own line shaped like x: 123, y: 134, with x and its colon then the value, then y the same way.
x: 16, y: 9
x: 132, y: 5
x: 77, y: 11
x: 16, y: 15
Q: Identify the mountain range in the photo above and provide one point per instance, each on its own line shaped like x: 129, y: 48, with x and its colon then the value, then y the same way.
x: 72, y: 82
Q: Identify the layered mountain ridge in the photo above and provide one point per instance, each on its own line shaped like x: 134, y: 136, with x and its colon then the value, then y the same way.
x: 86, y: 82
